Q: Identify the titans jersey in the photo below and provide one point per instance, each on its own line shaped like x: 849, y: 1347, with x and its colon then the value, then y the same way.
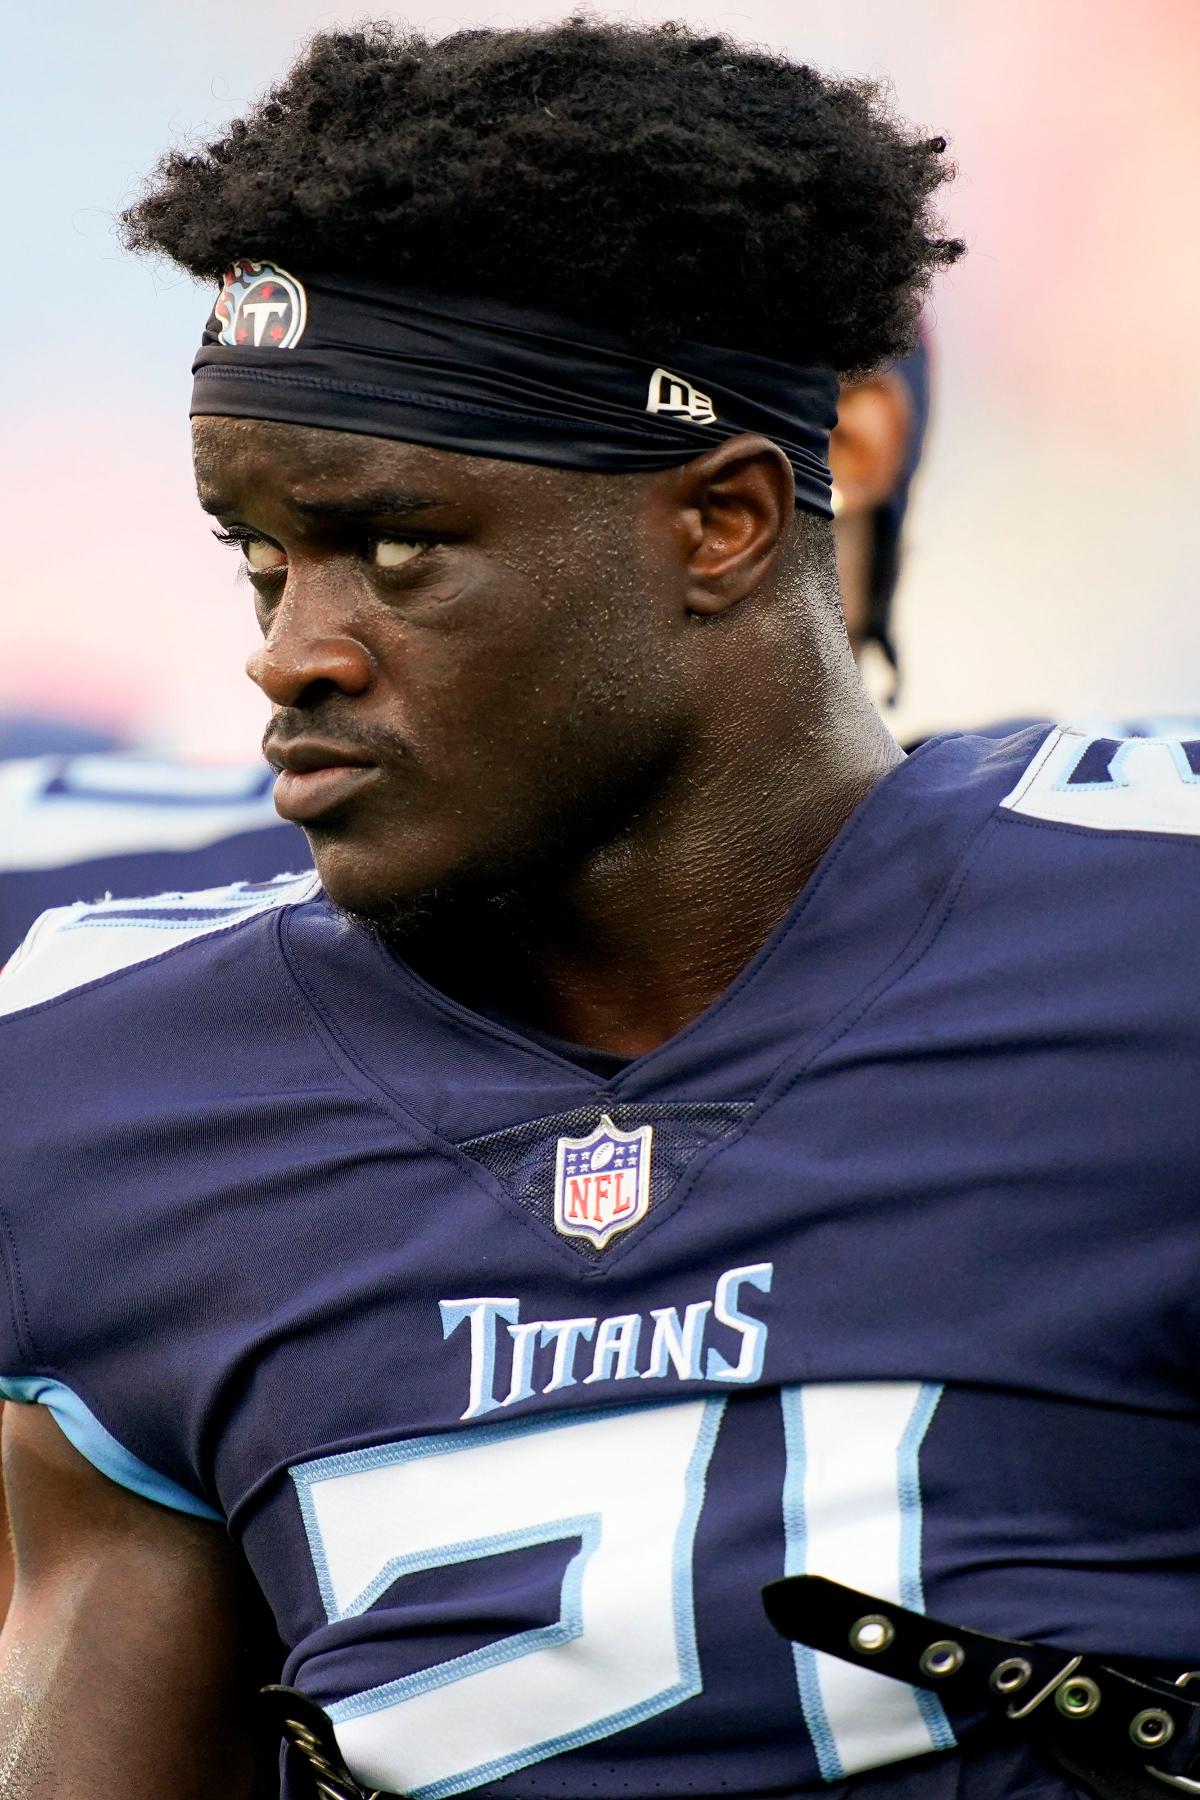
x: 516, y: 1380
x: 77, y: 827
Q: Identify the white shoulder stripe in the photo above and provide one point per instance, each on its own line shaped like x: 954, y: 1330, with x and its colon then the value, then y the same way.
x: 56, y: 811
x: 74, y: 945
x: 1112, y: 784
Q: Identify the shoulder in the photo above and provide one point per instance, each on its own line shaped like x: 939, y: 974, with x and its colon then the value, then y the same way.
x: 1080, y: 893
x: 75, y: 827
x: 1070, y: 847
x: 72, y: 949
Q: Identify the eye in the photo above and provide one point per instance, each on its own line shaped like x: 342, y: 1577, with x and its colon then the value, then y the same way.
x: 390, y: 553
x: 262, y: 556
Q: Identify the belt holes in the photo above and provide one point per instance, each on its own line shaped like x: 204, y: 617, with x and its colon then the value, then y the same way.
x: 942, y: 1659
x: 871, y: 1634
x: 1077, y: 1698
x: 1152, y: 1728
x: 1010, y: 1676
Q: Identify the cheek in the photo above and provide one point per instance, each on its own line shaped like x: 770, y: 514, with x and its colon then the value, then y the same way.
x: 474, y: 666
x: 601, y: 637
x: 526, y: 668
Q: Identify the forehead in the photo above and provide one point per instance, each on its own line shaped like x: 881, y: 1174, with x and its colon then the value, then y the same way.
x: 237, y: 458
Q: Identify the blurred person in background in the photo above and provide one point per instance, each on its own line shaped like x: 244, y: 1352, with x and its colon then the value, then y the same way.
x: 874, y: 454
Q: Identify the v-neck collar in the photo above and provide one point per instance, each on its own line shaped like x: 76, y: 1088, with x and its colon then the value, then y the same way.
x: 866, y: 901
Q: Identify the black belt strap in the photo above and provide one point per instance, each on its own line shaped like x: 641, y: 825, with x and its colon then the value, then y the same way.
x: 1119, y: 1735
x: 1122, y: 1736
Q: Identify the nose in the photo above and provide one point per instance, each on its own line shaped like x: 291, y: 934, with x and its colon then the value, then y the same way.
x: 297, y: 661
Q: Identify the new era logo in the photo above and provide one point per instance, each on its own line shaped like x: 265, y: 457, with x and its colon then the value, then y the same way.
x: 672, y: 394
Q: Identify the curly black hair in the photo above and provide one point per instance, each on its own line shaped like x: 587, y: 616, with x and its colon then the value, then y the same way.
x: 645, y: 179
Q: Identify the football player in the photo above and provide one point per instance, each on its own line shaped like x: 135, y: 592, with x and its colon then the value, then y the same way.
x: 77, y: 822
x: 676, y: 1147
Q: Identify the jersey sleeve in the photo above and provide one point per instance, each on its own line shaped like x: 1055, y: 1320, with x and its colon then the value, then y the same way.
x: 79, y: 827
x: 80, y: 1426
x: 79, y: 1106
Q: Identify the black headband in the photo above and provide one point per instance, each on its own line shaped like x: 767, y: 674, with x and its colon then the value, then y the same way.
x: 494, y: 380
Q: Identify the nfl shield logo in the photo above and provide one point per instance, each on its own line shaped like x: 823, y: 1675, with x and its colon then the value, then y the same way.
x: 602, y: 1182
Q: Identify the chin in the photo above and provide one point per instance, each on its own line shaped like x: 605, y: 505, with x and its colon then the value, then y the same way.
x: 396, y: 923
x: 388, y: 895
x: 392, y: 880
x: 360, y: 883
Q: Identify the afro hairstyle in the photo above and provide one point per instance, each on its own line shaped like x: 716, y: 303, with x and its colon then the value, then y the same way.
x: 644, y: 179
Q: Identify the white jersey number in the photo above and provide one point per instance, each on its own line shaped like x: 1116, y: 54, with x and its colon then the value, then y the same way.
x: 629, y: 1485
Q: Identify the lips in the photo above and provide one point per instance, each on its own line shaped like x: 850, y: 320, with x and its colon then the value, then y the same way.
x: 315, y: 779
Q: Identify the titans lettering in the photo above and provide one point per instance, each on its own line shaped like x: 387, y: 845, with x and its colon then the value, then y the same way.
x: 543, y: 1356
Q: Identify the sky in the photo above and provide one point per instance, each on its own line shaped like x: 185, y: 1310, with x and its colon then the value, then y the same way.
x: 1054, y: 539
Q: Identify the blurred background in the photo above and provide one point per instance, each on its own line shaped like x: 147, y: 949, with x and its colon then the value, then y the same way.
x: 1054, y: 539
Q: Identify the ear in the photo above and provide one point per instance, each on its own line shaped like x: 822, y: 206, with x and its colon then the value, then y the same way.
x: 869, y: 442
x: 737, y: 505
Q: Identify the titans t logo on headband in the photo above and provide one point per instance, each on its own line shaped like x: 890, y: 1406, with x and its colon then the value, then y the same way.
x: 260, y: 307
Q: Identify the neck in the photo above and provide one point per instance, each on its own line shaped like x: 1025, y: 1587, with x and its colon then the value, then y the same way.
x: 649, y: 929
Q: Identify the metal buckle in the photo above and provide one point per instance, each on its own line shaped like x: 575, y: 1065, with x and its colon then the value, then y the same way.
x: 1184, y: 1783
x: 309, y: 1733
x: 1051, y: 1687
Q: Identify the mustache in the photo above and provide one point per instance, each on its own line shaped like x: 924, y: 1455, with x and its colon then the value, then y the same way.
x: 371, y: 741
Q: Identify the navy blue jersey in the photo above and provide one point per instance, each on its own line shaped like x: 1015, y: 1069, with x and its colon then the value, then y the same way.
x: 516, y: 1379
x: 81, y: 827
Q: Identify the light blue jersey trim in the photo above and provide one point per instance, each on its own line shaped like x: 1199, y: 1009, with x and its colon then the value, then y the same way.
x: 1114, y: 775
x: 795, y: 1562
x: 1186, y: 771
x: 912, y: 1592
x: 83, y: 1429
x: 908, y: 1483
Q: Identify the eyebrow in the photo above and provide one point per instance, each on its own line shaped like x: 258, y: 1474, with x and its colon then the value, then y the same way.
x: 392, y: 502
